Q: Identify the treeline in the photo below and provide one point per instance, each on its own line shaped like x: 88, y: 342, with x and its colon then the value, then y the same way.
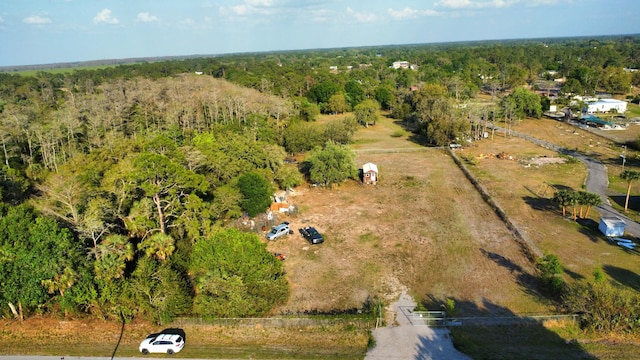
x: 119, y: 184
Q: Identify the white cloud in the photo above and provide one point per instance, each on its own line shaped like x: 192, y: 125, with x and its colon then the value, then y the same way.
x: 475, y: 4
x: 37, y: 20
x: 361, y: 16
x: 146, y: 17
x: 322, y: 15
x: 547, y: 2
x: 250, y: 7
x: 260, y: 3
x: 105, y: 17
x: 1, y: 20
x: 408, y: 13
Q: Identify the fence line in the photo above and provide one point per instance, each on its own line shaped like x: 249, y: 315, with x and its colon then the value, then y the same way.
x: 280, y: 322
x: 530, y: 249
x: 394, y: 150
x: 433, y: 319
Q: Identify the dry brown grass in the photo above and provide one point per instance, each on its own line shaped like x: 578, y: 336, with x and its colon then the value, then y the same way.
x: 423, y: 228
x: 580, y: 249
x: 50, y: 336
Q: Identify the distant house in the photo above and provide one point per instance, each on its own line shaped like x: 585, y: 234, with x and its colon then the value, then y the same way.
x: 370, y: 173
x: 612, y: 226
x: 606, y: 105
x: 400, y: 65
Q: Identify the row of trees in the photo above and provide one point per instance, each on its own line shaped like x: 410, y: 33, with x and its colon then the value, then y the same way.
x: 579, y: 201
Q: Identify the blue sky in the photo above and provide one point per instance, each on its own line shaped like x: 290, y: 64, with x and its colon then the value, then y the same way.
x: 51, y: 31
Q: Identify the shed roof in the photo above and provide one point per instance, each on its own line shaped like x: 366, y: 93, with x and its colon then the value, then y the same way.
x: 369, y: 167
x: 613, y: 221
x: 607, y: 101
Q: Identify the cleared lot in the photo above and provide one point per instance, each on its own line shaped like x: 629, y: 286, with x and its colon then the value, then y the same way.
x: 423, y: 227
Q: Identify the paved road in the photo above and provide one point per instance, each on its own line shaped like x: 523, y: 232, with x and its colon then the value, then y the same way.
x: 403, y: 340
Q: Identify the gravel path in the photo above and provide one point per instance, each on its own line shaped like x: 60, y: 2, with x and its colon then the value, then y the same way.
x: 403, y: 340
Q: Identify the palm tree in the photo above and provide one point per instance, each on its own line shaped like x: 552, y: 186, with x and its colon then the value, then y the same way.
x: 112, y: 255
x: 574, y: 198
x: 629, y: 176
x: 592, y: 199
x: 158, y: 245
x: 563, y: 198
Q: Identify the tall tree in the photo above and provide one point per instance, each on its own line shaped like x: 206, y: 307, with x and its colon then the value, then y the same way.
x: 367, y: 112
x: 437, y: 117
x: 166, y: 183
x: 337, y: 104
x: 355, y: 93
x: 256, y: 192
x: 332, y: 164
x: 525, y: 103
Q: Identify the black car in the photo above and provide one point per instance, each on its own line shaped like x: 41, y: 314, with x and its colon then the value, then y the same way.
x: 312, y: 235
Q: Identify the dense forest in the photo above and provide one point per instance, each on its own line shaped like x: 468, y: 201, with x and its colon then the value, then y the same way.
x: 120, y: 186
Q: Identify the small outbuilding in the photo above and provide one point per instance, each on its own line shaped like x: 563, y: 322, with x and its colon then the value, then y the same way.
x: 370, y: 173
x: 612, y: 226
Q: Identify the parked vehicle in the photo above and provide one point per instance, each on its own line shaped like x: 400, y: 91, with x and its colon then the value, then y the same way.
x: 278, y: 231
x: 162, y: 343
x: 312, y: 235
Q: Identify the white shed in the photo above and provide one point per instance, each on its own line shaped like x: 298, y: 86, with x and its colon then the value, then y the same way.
x: 612, y: 226
x: 370, y: 173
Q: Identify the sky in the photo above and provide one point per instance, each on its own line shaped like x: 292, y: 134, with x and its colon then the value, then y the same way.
x: 54, y: 31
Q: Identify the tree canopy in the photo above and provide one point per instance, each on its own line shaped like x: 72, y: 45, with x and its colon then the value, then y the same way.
x: 235, y: 276
x: 332, y: 164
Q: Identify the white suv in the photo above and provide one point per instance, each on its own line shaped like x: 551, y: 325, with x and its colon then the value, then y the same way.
x: 162, y: 343
x: 278, y: 231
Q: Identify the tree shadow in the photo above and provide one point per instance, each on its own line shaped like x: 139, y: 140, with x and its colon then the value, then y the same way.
x: 497, y: 334
x: 573, y: 275
x: 623, y: 276
x: 541, y: 204
x: 589, y: 228
x: 634, y: 201
x: 415, y: 137
x: 563, y: 187
x: 528, y: 282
